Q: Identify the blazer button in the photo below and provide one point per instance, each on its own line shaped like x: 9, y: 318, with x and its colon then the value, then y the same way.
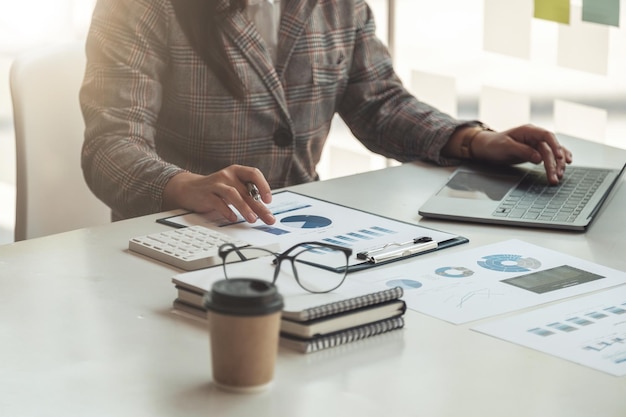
x: 282, y: 138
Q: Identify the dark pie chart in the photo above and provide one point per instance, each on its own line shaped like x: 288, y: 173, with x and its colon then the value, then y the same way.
x: 306, y: 221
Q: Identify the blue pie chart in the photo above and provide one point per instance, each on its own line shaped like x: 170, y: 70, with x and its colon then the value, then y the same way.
x: 509, y: 263
x: 306, y: 221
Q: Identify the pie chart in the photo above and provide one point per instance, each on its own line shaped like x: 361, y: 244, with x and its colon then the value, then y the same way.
x: 454, y: 272
x: 509, y: 263
x: 306, y: 221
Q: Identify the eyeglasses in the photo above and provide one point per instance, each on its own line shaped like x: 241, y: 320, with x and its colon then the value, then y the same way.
x: 317, y: 267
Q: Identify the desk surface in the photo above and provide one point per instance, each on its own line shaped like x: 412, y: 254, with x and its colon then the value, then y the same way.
x: 86, y: 329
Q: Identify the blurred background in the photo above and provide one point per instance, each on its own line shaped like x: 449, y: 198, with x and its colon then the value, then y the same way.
x: 498, y: 61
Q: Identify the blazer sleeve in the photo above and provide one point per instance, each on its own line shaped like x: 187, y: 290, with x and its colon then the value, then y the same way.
x: 120, y: 99
x: 381, y: 113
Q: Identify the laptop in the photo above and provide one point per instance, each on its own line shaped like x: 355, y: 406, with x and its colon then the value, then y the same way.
x: 521, y: 196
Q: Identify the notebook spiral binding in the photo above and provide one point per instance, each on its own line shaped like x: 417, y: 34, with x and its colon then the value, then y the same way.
x: 354, y: 334
x: 352, y: 303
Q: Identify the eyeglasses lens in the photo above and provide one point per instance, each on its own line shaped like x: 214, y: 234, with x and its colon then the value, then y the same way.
x: 316, y: 267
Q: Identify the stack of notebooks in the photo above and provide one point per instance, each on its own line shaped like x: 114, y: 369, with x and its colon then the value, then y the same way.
x: 311, y: 322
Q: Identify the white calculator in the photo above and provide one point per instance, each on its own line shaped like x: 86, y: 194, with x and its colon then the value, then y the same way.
x: 188, y: 248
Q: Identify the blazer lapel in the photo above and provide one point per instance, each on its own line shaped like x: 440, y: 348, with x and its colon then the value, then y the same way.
x: 248, y: 41
x: 295, y: 15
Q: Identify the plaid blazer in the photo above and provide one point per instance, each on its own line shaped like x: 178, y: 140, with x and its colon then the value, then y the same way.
x: 152, y: 108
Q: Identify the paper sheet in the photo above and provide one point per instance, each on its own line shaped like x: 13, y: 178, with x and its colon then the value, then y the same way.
x: 473, y: 284
x: 504, y: 108
x: 300, y: 218
x: 554, y: 10
x: 590, y: 330
x: 507, y: 27
x: 584, y: 46
x: 604, y: 12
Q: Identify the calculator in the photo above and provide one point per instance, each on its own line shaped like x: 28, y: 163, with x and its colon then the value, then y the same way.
x: 188, y: 248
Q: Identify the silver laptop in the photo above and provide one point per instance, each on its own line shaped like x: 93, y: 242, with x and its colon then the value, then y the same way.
x: 521, y: 196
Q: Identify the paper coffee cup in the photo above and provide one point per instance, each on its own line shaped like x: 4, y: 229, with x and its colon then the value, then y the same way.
x: 244, y: 325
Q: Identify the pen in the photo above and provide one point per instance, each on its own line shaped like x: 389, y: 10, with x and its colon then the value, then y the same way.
x: 253, y: 191
x: 417, y: 245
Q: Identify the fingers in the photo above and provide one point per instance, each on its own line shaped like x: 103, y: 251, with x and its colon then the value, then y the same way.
x: 545, y: 144
x: 554, y: 169
x: 221, y: 191
x: 555, y: 158
x: 238, y: 190
x: 249, y: 208
x: 255, y: 182
x: 252, y: 209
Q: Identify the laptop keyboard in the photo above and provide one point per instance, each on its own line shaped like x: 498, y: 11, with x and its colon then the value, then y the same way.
x: 535, y: 199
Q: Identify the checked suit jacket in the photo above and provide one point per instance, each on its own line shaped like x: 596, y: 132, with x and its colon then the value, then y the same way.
x: 152, y: 108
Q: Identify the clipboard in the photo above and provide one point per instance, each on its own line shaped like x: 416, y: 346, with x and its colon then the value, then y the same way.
x: 303, y: 218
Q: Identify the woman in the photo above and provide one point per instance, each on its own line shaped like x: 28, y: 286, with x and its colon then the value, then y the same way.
x: 185, y: 102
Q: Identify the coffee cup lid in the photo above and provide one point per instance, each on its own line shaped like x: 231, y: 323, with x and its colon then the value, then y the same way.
x: 243, y: 297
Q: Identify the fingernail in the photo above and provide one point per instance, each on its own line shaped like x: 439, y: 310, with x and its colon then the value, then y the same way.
x: 251, y: 217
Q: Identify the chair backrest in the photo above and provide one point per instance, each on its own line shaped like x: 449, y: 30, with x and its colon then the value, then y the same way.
x: 52, y: 195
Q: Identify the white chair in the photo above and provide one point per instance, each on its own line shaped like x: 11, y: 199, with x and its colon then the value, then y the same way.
x: 52, y: 196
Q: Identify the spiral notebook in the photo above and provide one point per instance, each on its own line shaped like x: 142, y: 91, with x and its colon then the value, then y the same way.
x: 318, y: 320
x: 300, y: 305
x: 341, y: 321
x: 310, y: 345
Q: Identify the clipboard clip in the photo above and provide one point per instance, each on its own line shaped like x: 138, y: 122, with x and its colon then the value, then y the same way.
x: 398, y: 250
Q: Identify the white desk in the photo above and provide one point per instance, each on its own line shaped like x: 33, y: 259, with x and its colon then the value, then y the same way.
x: 86, y: 330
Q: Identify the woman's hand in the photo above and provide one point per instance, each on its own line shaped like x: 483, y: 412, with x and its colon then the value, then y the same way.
x: 526, y: 143
x: 204, y: 193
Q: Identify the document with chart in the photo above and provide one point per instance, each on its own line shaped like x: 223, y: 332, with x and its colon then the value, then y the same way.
x: 477, y: 283
x: 301, y: 218
x: 589, y: 330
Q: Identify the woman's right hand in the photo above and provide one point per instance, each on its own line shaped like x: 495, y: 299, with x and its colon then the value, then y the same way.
x: 216, y: 191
